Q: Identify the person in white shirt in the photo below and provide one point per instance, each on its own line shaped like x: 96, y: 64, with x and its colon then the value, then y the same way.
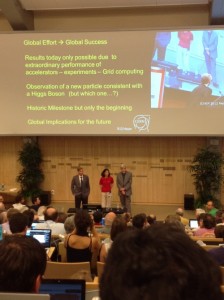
x: 51, y: 217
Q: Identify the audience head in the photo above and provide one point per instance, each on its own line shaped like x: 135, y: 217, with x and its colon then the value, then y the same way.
x: 62, y: 216
x: 209, y: 205
x: 19, y: 199
x: 11, y: 211
x: 119, y: 225
x: 30, y: 216
x: 175, y: 220
x: 23, y: 262
x: 69, y: 224
x: 199, y: 211
x: 1, y: 198
x: 83, y: 222
x: 97, y: 216
x: 151, y: 219
x: 127, y: 217
x: 161, y: 262
x: 18, y: 223
x: 36, y: 201
x: 219, y: 231
x: 208, y: 221
x: 51, y: 213
x: 180, y: 212
x: 109, y: 218
x: 139, y: 221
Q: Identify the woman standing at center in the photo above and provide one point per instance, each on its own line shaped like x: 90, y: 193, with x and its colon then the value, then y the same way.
x: 106, y: 184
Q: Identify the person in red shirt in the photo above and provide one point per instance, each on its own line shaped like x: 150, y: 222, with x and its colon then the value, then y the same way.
x: 183, y: 51
x: 106, y: 184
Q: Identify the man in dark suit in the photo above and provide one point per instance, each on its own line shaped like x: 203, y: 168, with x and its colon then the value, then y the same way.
x: 124, y: 181
x: 80, y: 188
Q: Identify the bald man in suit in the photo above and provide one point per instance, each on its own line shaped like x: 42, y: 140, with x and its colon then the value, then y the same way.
x: 124, y: 182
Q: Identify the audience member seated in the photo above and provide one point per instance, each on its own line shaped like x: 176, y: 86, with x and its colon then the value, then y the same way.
x: 30, y: 215
x: 175, y: 220
x: 23, y: 263
x: 127, y: 217
x: 210, y: 208
x: 180, y: 212
x: 206, y: 226
x: 97, y: 218
x: 19, y: 203
x: 62, y: 216
x: 2, y: 207
x: 218, y: 217
x: 69, y: 224
x: 151, y: 219
x: 218, y: 252
x: 119, y: 225
x: 51, y: 218
x: 36, y: 203
x: 18, y: 223
x: 139, y: 221
x: 161, y: 262
x: 109, y: 218
x: 82, y: 244
x: 40, y: 212
x: 5, y: 225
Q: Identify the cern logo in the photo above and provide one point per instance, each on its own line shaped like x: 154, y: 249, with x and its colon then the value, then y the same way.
x: 141, y: 122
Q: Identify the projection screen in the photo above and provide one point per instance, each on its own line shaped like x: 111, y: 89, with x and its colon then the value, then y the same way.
x: 143, y: 82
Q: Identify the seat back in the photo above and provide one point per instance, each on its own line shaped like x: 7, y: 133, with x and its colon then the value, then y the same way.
x: 62, y: 254
x: 100, y: 268
x: 61, y: 270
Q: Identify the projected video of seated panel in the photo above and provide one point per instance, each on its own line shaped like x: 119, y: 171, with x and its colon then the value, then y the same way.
x: 112, y: 83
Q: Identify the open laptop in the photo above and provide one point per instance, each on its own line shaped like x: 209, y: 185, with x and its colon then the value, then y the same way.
x: 23, y: 296
x: 42, y: 235
x: 193, y: 223
x: 68, y: 289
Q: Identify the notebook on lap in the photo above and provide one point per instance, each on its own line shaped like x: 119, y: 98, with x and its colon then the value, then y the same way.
x: 60, y: 289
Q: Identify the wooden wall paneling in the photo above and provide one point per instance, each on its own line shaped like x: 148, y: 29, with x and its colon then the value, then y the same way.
x: 9, y: 166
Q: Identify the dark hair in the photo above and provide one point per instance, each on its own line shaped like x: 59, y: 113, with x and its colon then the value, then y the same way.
x: 97, y: 216
x: 159, y: 263
x: 18, y: 198
x: 22, y: 259
x: 30, y: 216
x: 208, y: 221
x: 139, y: 220
x: 151, y: 219
x: 103, y: 172
x: 119, y: 225
x: 34, y: 199
x: 82, y: 222
x: 219, y: 231
x: 18, y: 222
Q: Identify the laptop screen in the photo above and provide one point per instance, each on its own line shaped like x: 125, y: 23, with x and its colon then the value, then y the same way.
x: 63, y: 289
x: 193, y: 223
x: 42, y: 235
